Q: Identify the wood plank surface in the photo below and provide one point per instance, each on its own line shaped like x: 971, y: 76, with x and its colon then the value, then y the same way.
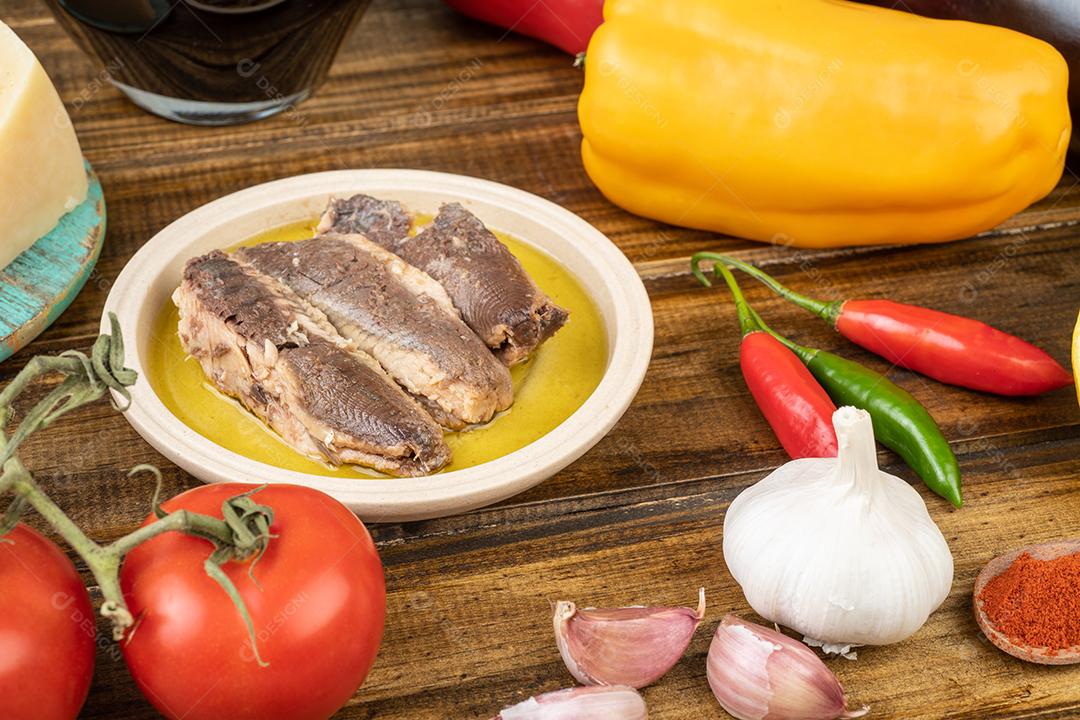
x: 638, y: 519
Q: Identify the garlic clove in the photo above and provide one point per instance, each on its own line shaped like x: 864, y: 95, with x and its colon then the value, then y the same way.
x: 756, y: 672
x: 584, y: 703
x: 632, y: 646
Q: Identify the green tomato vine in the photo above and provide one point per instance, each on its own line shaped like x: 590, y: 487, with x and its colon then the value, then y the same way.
x: 242, y: 534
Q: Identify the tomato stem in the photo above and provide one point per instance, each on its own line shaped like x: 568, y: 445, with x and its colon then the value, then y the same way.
x: 242, y: 533
x: 182, y: 521
x: 104, y: 564
x: 11, y: 515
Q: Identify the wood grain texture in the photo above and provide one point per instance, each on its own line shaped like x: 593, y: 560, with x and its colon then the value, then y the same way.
x: 638, y: 519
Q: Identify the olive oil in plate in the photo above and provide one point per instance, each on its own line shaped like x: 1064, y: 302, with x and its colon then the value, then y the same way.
x: 548, y: 388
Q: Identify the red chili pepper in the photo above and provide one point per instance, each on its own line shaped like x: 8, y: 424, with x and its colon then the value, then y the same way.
x: 567, y: 24
x: 948, y: 348
x: 797, y: 408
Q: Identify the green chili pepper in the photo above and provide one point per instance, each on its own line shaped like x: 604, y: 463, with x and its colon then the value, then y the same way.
x: 900, y: 421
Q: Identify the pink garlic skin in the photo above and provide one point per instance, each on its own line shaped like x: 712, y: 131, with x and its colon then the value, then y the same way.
x: 584, y: 703
x: 757, y: 673
x: 632, y: 646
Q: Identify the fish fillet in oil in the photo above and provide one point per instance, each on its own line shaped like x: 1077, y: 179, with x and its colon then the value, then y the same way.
x: 399, y: 315
x: 257, y: 341
x: 494, y: 294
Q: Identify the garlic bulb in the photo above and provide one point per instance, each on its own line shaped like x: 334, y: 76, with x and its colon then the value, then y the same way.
x: 837, y: 549
x: 756, y: 673
x: 585, y: 703
x: 632, y: 646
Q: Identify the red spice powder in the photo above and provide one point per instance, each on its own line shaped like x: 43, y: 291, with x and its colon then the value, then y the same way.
x: 1037, y: 602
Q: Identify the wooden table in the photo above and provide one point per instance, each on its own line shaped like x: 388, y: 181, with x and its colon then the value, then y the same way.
x: 638, y: 519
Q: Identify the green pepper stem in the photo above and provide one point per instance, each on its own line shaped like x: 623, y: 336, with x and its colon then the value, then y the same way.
x: 804, y: 353
x: 748, y: 320
x: 695, y: 267
x: 827, y: 311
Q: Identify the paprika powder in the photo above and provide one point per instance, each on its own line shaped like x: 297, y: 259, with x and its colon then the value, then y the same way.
x: 1037, y: 602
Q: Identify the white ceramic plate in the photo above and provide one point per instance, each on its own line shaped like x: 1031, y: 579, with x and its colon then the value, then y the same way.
x: 154, y: 272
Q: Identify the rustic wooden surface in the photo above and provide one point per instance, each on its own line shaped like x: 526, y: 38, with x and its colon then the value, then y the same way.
x: 638, y: 519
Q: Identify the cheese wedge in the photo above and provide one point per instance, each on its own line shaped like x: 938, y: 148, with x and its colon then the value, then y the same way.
x: 41, y: 167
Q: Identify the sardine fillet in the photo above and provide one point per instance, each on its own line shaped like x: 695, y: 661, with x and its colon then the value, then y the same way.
x: 399, y: 315
x: 495, y: 295
x: 382, y: 221
x: 261, y: 344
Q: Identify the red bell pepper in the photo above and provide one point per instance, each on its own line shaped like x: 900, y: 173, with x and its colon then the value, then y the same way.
x: 567, y: 24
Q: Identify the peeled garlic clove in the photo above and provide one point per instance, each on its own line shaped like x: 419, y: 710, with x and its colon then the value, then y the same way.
x: 632, y: 646
x: 586, y: 703
x: 756, y: 672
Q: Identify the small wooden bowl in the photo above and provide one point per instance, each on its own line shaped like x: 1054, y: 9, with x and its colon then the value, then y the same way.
x: 1040, y: 655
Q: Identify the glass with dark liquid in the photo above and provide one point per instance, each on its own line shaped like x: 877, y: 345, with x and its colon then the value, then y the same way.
x: 211, y: 62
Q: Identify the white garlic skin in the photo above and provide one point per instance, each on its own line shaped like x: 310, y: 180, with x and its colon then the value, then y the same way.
x: 633, y: 646
x: 584, y: 703
x: 836, y: 549
x: 758, y: 673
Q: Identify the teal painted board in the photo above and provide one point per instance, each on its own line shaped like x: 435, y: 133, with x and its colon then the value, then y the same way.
x: 42, y: 281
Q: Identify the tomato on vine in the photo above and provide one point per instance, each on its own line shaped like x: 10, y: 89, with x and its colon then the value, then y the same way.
x: 232, y: 601
x: 47, y: 630
x: 315, y: 596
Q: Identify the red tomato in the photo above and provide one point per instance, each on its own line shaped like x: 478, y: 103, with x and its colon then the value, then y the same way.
x: 47, y: 630
x: 317, y: 604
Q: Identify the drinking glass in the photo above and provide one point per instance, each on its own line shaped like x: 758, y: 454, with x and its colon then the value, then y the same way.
x: 211, y: 62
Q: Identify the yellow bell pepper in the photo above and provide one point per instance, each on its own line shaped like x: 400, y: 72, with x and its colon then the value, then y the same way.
x: 819, y: 123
